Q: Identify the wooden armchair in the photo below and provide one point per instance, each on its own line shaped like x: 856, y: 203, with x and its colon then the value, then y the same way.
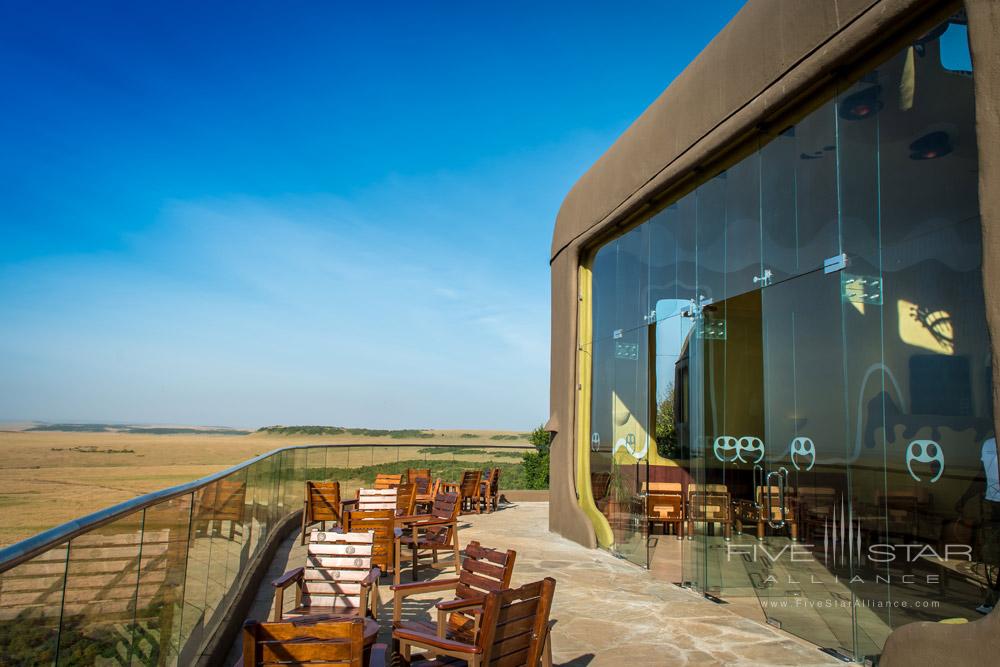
x: 368, y: 500
x: 382, y: 523
x: 339, y: 577
x: 469, y: 491
x: 483, y: 570
x: 427, y: 491
x: 322, y: 503
x: 330, y: 643
x: 490, y: 490
x: 513, y: 631
x: 665, y: 506
x: 711, y: 504
x: 385, y: 480
x: 436, y: 531
x: 406, y: 499
x: 413, y: 474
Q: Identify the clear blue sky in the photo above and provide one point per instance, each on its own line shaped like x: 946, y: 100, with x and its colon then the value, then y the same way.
x: 337, y: 213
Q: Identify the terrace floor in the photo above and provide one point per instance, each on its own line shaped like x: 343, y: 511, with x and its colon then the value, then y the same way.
x: 607, y: 611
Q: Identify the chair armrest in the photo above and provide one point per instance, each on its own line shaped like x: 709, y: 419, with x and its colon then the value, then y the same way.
x: 432, y: 522
x: 288, y: 578
x: 424, y: 586
x: 372, y: 577
x: 457, y: 605
x: 413, y: 517
x: 433, y: 641
x: 378, y: 656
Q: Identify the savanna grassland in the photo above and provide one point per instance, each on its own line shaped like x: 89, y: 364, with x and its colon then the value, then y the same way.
x: 48, y: 477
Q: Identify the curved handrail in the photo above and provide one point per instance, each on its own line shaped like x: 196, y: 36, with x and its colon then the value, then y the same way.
x: 19, y: 552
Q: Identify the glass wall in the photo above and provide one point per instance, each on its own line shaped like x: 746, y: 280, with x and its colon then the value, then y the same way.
x: 791, y: 368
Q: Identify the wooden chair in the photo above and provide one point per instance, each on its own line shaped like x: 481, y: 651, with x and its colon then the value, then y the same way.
x: 709, y: 503
x: 665, y: 506
x: 484, y: 570
x: 513, y: 632
x: 383, y: 524
x: 469, y: 491
x: 384, y: 480
x: 437, y: 531
x: 413, y: 474
x: 406, y: 499
x: 427, y: 491
x: 490, y: 490
x: 324, y: 643
x: 339, y: 577
x: 322, y: 503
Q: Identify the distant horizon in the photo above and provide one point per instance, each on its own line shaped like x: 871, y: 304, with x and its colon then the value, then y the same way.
x: 148, y: 424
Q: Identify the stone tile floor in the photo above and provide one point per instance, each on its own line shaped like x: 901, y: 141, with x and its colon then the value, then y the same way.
x: 607, y: 611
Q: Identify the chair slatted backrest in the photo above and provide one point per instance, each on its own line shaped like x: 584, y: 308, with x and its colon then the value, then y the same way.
x: 709, y: 501
x: 384, y: 480
x: 406, y: 499
x: 376, y: 499
x: 515, y: 625
x: 336, y: 563
x: 382, y: 524
x: 323, y: 501
x: 336, y: 643
x: 222, y: 501
x: 423, y: 485
x: 413, y: 474
x: 470, y: 482
x: 446, y: 506
x: 484, y: 571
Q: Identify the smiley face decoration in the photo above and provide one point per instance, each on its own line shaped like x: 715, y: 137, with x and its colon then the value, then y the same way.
x: 730, y: 449
x: 925, y: 451
x: 803, y: 448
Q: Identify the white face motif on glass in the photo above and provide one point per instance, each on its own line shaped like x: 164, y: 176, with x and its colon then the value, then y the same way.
x: 925, y: 451
x: 751, y: 445
x: 726, y: 448
x: 730, y: 449
x: 805, y: 448
x: 595, y: 442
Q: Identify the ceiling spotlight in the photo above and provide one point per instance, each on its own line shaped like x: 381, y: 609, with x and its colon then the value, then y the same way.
x: 931, y: 146
x: 862, y: 104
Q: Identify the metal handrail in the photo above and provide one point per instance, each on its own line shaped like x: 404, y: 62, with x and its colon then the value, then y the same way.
x: 20, y: 552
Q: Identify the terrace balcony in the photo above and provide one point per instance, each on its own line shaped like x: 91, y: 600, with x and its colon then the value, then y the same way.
x: 169, y: 578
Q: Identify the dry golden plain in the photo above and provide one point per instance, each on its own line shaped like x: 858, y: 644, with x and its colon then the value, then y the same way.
x: 44, y: 482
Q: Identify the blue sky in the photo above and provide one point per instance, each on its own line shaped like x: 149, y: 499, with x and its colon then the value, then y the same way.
x: 338, y: 213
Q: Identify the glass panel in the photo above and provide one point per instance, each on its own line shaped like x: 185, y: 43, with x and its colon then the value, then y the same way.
x: 157, y: 630
x: 604, y: 298
x: 799, y: 196
x: 937, y: 403
x: 711, y: 239
x: 743, y: 226
x: 31, y: 597
x: 805, y: 489
x: 632, y: 284
x: 99, y: 602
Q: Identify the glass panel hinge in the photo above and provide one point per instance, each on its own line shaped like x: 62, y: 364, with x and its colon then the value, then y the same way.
x: 835, y: 263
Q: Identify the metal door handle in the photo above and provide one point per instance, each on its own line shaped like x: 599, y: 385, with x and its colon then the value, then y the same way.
x: 781, y: 500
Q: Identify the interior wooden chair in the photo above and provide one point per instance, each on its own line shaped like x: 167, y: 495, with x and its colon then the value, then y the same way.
x: 322, y: 504
x: 382, y: 523
x: 319, y: 642
x: 339, y: 577
x: 490, y: 490
x: 484, y: 570
x: 513, y: 631
x: 709, y: 503
x: 665, y: 506
x: 469, y: 491
x: 436, y: 531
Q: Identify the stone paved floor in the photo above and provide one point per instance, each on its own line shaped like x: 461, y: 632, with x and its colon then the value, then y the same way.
x: 607, y: 611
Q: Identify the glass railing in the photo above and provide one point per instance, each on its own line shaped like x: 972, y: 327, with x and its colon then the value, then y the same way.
x: 151, y: 581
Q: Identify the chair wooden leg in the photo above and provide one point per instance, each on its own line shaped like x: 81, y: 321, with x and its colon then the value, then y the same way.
x: 303, y: 540
x: 413, y: 559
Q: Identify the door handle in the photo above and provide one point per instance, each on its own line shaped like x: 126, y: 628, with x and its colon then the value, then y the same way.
x: 757, y: 468
x: 780, y: 523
